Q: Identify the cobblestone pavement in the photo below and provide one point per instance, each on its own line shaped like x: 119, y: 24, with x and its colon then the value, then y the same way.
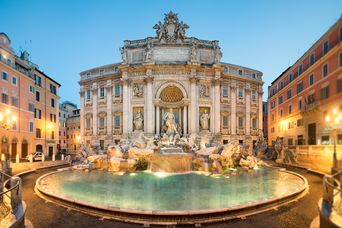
x: 298, y: 214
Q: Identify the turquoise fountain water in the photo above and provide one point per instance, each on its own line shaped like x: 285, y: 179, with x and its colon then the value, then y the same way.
x: 171, y: 192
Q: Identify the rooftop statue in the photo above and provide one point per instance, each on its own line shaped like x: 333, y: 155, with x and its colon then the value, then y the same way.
x: 171, y: 29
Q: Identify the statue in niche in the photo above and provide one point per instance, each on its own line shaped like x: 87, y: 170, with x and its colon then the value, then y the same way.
x: 123, y: 55
x: 138, y: 120
x: 203, y: 91
x: 193, y: 56
x: 148, y: 53
x: 204, y: 120
x: 170, y: 127
x: 138, y: 90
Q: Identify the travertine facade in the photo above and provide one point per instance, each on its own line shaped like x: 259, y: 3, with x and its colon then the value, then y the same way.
x: 170, y: 73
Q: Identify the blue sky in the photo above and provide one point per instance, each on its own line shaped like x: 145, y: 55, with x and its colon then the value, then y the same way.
x: 66, y: 37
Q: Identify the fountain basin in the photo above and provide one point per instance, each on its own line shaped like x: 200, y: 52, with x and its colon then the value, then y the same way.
x: 164, y: 194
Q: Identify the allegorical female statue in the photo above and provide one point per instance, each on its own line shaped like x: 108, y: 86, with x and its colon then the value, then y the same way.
x: 170, y: 122
x: 138, y: 121
x: 204, y: 120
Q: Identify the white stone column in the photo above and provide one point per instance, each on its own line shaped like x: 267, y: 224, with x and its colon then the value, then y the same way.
x: 95, y: 110
x: 125, y: 103
x: 233, y: 109
x: 217, y: 107
x: 185, y: 120
x: 109, y: 107
x: 248, y: 111
x: 193, y: 104
x: 82, y: 107
x: 157, y: 120
x: 260, y: 110
x: 149, y: 106
x: 129, y: 107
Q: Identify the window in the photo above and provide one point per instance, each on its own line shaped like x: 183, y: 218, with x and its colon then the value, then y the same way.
x: 38, y: 133
x: 37, y: 113
x: 240, y: 72
x: 4, y: 76
x: 87, y: 123
x: 253, y: 75
x: 299, y: 87
x: 53, y: 89
x: 300, y: 104
x: 300, y: 140
x: 240, y: 122
x: 117, y: 121
x: 325, y: 140
x: 240, y: 92
x: 53, y: 118
x: 37, y: 96
x: 31, y: 89
x: 280, y: 100
x: 38, y: 80
x: 88, y: 94
x: 272, y: 130
x: 31, y: 107
x: 291, y: 77
x: 102, y: 92
x: 339, y: 85
x: 117, y: 91
x: 311, y: 98
x: 300, y: 69
x: 290, y: 109
x: 273, y: 104
x: 254, y: 123
x: 340, y: 33
x: 339, y: 139
x: 101, y: 122
x: 272, y: 117
x: 52, y: 102
x: 4, y: 98
x: 312, y: 59
x: 31, y: 126
x: 325, y: 70
x: 290, y: 142
x: 325, y: 47
x: 341, y: 59
x: 225, y: 91
x: 289, y: 94
x: 254, y: 95
x: 311, y: 79
x: 325, y: 92
x: 14, y: 80
x: 300, y: 122
x: 52, y: 135
x: 225, y: 121
x: 281, y: 113
x: 14, y: 101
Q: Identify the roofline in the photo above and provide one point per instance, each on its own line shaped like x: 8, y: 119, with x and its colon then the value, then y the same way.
x: 309, y: 49
x: 2, y: 33
x: 243, y: 67
x: 99, y: 67
x: 59, y: 85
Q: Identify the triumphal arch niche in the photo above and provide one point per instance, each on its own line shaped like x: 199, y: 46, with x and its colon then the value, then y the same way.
x: 172, y: 83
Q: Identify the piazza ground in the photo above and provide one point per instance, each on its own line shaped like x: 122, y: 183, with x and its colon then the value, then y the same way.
x: 298, y: 214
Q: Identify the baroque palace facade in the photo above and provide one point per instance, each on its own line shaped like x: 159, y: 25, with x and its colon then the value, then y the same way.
x: 170, y: 73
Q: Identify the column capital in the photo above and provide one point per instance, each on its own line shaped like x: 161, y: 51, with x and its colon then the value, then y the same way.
x: 148, y: 78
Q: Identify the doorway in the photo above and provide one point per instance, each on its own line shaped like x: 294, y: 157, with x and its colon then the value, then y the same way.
x: 14, y: 151
x: 39, y: 148
x: 312, y: 134
x: 50, y: 151
x: 24, y: 150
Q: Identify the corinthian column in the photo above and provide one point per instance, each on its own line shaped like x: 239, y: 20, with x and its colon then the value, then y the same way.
x: 217, y: 107
x: 95, y: 110
x: 109, y: 107
x: 149, y: 118
x: 82, y: 107
x: 125, y: 104
x: 185, y: 120
x: 193, y: 105
x: 260, y: 109
x: 248, y: 111
x: 233, y: 109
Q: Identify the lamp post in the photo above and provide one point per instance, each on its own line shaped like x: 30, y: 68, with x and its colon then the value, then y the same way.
x: 334, y: 119
x: 7, y: 121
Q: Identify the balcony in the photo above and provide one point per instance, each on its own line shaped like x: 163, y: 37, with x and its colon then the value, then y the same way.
x: 240, y: 131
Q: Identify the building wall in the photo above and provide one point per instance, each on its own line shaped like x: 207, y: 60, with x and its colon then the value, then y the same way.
x: 25, y: 92
x: 66, y: 110
x: 293, y: 126
x: 73, y: 133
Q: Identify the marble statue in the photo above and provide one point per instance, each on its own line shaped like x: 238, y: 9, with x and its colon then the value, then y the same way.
x: 204, y: 120
x: 218, y: 55
x: 193, y: 54
x: 171, y: 29
x: 148, y: 53
x: 170, y: 126
x: 138, y: 90
x: 283, y: 154
x: 138, y: 121
x: 123, y: 55
x: 260, y: 146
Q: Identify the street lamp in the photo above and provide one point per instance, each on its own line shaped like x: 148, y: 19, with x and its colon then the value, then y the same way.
x: 334, y: 119
x: 7, y: 122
